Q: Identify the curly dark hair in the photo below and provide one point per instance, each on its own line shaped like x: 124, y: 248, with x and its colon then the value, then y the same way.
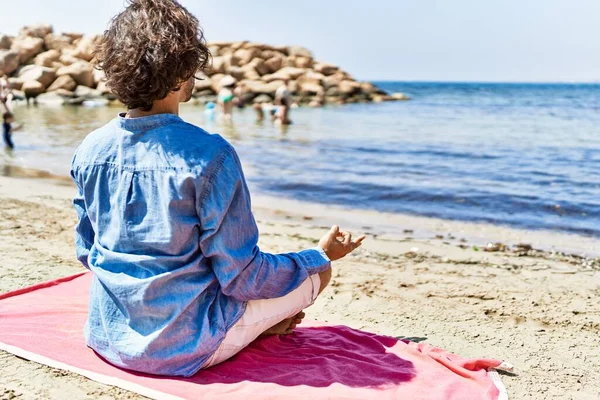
x: 149, y: 50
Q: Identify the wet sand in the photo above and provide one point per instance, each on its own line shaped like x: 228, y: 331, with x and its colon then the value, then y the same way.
x: 415, y: 277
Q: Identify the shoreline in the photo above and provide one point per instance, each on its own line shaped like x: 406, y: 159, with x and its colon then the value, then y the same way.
x: 466, y: 235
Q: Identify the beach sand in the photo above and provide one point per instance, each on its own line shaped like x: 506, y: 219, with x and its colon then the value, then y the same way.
x: 536, y: 310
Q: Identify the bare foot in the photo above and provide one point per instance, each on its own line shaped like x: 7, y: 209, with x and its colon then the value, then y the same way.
x: 286, y: 326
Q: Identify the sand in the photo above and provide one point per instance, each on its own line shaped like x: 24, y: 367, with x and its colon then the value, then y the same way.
x: 536, y: 309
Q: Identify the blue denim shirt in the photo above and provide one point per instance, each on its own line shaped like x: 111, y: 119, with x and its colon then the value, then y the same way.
x: 165, y: 225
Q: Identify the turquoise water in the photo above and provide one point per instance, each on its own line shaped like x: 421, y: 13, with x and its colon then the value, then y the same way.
x: 525, y: 155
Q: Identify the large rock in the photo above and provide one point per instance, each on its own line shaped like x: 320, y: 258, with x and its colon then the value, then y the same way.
x: 258, y: 87
x: 15, y: 83
x: 349, y: 87
x: 299, y: 51
x: 57, y: 42
x: 73, y: 36
x: 246, y: 55
x: 250, y: 73
x: 87, y: 93
x: 326, y: 69
x: 259, y: 65
x: 81, y: 72
x: 43, y: 75
x: 32, y: 88
x: 27, y: 47
x: 312, y: 77
x: 217, y: 66
x: 237, y: 72
x: 47, y: 58
x: 310, y: 88
x: 50, y: 99
x: 285, y: 73
x: 99, y: 76
x: 303, y: 62
x: 64, y: 82
x: 270, y: 53
x: 84, y: 49
x: 102, y: 88
x: 334, y: 80
x: 37, y: 31
x: 215, y: 82
x: 9, y: 61
x: 68, y: 60
x: 5, y: 42
x: 274, y: 63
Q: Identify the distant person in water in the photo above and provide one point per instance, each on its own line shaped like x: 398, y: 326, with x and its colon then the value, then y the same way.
x: 7, y: 129
x: 165, y: 220
x: 6, y: 94
x: 283, y: 100
x: 226, y: 96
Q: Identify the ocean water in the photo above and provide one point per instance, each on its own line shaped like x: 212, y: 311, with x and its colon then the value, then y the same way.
x: 525, y: 155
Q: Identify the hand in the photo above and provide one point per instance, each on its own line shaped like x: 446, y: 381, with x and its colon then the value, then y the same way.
x: 337, y: 244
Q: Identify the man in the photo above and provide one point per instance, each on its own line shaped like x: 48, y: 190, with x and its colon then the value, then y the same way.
x: 165, y: 221
x: 283, y: 100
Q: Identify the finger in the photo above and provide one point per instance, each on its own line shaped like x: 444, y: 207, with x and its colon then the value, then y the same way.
x: 359, y: 240
x: 347, y: 238
x: 334, y: 231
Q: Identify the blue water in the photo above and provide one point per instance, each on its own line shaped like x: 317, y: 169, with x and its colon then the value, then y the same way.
x: 515, y: 154
x: 525, y: 155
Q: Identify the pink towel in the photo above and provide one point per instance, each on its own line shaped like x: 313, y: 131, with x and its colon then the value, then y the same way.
x: 44, y: 323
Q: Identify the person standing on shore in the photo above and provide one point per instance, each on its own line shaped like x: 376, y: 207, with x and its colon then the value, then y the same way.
x: 164, y: 216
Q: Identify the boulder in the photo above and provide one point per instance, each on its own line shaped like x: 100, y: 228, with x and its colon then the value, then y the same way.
x: 250, y: 73
x: 50, y: 99
x: 231, y: 60
x: 64, y: 82
x: 103, y: 88
x: 68, y: 60
x: 86, y: 92
x: 15, y: 83
x: 84, y: 49
x: 303, y: 62
x: 215, y: 81
x: 368, y: 87
x: 27, y: 47
x: 73, y: 36
x: 299, y: 51
x: 9, y: 61
x: 282, y: 49
x: 348, y: 87
x: 238, y: 73
x: 203, y: 84
x: 259, y: 46
x: 218, y: 66
x: 333, y: 80
x: 258, y: 87
x: 259, y: 65
x: 270, y: 53
x: 47, y: 58
x: 246, y: 55
x: 312, y: 77
x: 32, y: 88
x: 333, y: 92
x: 37, y: 31
x: 99, y: 76
x: 5, y: 42
x: 399, y: 96
x: 326, y: 69
x: 43, y: 75
x: 309, y: 88
x: 81, y: 72
x: 274, y: 63
x: 57, y: 42
x: 285, y: 73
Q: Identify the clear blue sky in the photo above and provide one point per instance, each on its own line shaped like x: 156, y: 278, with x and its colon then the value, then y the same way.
x: 445, y: 40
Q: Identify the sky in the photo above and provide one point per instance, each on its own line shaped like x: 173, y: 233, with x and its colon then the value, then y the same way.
x: 409, y: 40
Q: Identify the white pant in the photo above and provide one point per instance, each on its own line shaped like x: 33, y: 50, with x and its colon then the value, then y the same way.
x: 261, y: 315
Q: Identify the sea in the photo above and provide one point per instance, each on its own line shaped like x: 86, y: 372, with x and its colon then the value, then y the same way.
x: 521, y: 155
